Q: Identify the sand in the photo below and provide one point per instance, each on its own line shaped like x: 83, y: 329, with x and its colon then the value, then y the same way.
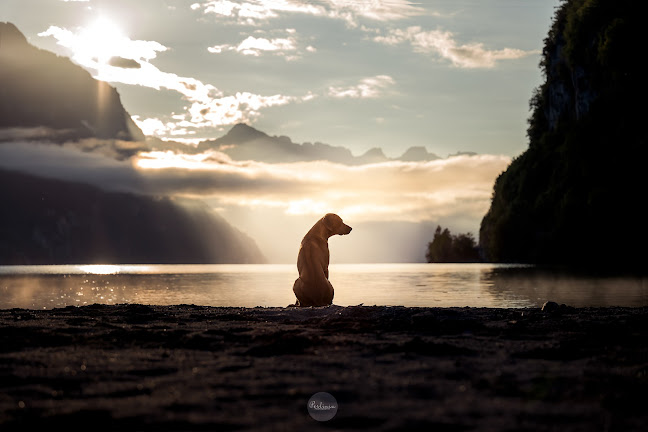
x: 138, y: 367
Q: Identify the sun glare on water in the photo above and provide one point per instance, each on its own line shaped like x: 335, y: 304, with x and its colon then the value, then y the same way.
x: 100, y: 269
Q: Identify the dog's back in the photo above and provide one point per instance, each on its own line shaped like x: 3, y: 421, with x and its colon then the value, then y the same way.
x: 312, y: 287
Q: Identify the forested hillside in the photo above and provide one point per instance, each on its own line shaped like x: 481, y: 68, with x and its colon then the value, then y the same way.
x: 576, y: 196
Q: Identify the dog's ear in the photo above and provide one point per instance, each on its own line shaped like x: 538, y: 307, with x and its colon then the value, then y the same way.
x: 326, y: 220
x: 329, y: 221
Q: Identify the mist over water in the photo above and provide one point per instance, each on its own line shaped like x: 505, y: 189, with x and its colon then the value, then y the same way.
x: 421, y: 285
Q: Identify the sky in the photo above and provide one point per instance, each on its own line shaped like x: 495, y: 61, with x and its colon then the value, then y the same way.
x: 451, y: 76
x: 448, y: 75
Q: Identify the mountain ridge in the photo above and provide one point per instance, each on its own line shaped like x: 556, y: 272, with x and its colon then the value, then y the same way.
x: 244, y: 142
x: 42, y: 89
x: 47, y: 100
x: 65, y: 222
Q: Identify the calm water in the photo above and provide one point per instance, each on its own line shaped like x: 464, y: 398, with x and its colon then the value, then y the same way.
x: 444, y: 285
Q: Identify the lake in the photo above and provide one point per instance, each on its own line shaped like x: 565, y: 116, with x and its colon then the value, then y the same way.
x: 428, y: 285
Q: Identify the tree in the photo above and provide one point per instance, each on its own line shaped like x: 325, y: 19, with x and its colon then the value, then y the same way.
x: 445, y: 247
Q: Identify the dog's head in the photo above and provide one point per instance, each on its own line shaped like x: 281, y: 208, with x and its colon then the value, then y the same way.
x: 334, y: 223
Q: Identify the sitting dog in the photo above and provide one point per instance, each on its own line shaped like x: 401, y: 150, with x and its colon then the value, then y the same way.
x: 312, y: 287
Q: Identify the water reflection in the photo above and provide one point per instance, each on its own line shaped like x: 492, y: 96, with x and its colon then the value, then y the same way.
x: 163, y: 285
x: 537, y: 285
x: 442, y: 285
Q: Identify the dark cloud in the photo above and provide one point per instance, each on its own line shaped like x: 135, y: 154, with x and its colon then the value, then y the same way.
x: 86, y: 162
x: 38, y: 133
x: 124, y: 63
x: 67, y: 162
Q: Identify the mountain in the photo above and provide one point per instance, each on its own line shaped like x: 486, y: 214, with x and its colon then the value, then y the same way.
x: 48, y: 99
x: 416, y: 154
x: 50, y: 93
x: 244, y: 142
x: 56, y: 222
x: 575, y: 197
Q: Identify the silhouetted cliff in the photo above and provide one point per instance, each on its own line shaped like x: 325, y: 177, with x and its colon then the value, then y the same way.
x: 46, y: 221
x: 40, y: 89
x: 576, y: 196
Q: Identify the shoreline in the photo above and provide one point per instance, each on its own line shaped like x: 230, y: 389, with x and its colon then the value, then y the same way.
x: 186, y: 367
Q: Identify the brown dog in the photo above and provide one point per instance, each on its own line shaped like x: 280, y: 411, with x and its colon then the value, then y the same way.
x: 312, y: 287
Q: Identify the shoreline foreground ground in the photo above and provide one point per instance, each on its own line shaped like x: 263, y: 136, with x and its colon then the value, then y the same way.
x: 185, y: 367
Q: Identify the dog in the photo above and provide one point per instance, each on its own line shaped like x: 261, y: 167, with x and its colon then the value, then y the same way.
x: 312, y: 287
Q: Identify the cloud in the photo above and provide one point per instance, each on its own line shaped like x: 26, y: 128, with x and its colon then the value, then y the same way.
x: 34, y: 134
x: 459, y: 186
x: 443, y: 44
x: 100, y: 41
x: 122, y: 62
x: 68, y: 162
x: 228, y: 110
x: 253, y: 46
x: 385, y: 10
x: 391, y: 205
x: 115, y: 58
x: 367, y: 88
x: 251, y: 11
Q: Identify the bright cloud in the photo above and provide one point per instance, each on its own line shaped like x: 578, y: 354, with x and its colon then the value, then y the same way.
x: 96, y: 44
x: 408, y: 191
x: 443, y: 44
x: 253, y: 46
x: 367, y: 88
x: 379, y: 10
x: 97, y: 47
x: 251, y: 11
x: 228, y: 110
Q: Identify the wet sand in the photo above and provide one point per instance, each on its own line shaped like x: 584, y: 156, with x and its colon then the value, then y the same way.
x: 137, y: 367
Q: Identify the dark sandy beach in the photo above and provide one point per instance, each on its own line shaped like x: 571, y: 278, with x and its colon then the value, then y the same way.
x: 137, y: 367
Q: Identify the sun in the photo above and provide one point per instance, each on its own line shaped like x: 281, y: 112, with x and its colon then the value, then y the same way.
x: 100, y: 40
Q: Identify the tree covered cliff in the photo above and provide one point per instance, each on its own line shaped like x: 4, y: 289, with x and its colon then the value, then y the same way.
x: 576, y: 195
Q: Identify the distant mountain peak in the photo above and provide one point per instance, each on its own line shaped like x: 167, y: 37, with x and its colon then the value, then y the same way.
x: 417, y: 153
x: 376, y: 151
x: 240, y: 133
